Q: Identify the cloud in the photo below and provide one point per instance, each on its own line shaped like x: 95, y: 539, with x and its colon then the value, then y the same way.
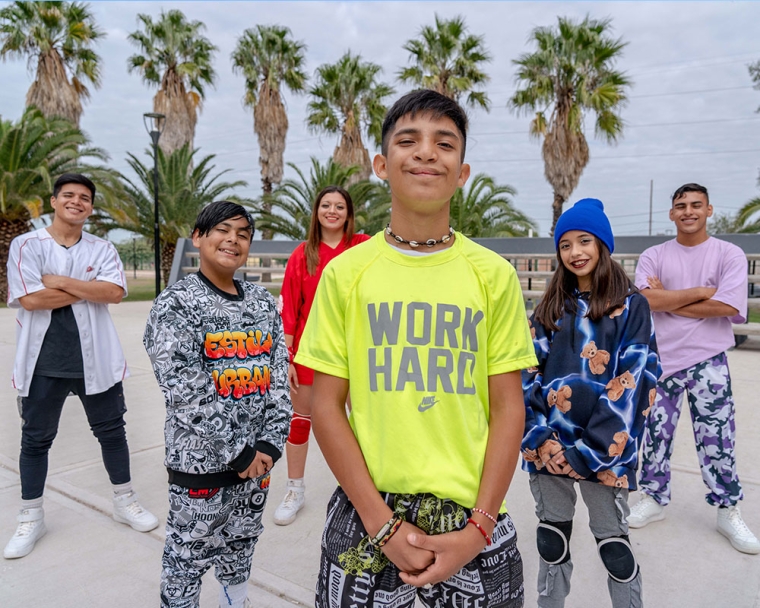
x: 673, y: 48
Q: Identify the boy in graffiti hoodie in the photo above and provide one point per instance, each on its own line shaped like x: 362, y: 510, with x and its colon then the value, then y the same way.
x: 218, y: 352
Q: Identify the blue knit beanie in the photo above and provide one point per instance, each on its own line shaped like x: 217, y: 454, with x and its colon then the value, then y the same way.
x: 586, y: 215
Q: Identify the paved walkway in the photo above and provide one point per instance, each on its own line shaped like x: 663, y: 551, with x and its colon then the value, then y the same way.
x: 87, y: 560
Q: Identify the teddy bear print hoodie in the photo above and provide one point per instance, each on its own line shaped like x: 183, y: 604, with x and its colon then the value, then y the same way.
x: 591, y: 391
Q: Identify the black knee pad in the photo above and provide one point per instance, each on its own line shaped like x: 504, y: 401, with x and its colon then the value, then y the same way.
x: 553, y: 541
x: 618, y: 558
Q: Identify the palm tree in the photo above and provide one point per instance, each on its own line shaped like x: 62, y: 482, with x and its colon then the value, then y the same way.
x: 183, y: 190
x: 754, y: 72
x: 748, y: 217
x: 570, y: 75
x: 447, y: 59
x: 267, y: 57
x: 290, y: 204
x: 486, y: 210
x: 58, y: 38
x: 177, y: 58
x: 347, y: 97
x: 33, y: 152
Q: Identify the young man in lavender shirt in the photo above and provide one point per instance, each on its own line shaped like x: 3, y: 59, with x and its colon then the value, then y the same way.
x: 697, y: 287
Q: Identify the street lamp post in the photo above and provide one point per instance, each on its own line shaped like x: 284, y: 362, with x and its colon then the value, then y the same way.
x: 134, y: 255
x: 154, y: 125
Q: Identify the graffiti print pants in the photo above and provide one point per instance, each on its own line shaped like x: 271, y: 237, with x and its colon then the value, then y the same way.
x: 353, y: 572
x: 217, y: 527
x: 708, y: 389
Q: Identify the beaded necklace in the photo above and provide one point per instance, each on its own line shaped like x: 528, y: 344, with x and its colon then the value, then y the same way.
x: 414, y: 244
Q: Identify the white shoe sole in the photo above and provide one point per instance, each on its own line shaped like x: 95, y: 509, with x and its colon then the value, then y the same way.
x: 285, y: 522
x: 640, y: 524
x: 16, y: 554
x: 739, y: 546
x: 137, y: 527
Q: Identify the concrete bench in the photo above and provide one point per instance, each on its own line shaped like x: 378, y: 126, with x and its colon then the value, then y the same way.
x: 747, y: 329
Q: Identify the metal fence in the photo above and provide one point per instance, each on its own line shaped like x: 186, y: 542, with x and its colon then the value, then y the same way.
x: 533, y: 258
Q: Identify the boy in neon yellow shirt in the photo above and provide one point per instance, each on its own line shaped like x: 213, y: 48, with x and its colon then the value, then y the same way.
x: 430, y: 330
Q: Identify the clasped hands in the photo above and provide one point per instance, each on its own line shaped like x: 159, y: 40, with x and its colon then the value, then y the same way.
x: 552, y: 455
x: 425, y: 560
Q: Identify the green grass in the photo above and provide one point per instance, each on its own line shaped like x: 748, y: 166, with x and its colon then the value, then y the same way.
x: 143, y: 289
x: 140, y: 289
x: 754, y: 316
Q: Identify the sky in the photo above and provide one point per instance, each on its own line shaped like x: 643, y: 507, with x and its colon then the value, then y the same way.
x: 691, y: 114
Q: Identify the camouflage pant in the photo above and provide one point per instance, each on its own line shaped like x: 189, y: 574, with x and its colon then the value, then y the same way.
x: 217, y: 527
x: 708, y: 387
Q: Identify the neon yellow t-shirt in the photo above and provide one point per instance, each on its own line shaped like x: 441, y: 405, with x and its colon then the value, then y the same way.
x: 418, y: 337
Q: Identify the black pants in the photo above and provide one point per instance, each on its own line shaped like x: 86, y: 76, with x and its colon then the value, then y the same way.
x: 41, y: 413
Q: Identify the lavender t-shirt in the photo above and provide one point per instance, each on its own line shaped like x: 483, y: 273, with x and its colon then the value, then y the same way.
x: 684, y: 342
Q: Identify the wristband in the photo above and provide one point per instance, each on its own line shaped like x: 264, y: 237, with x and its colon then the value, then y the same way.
x: 486, y: 514
x: 291, y: 354
x: 387, y: 531
x: 481, y: 530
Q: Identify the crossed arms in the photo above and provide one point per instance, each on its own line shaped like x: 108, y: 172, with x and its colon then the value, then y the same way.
x: 694, y: 303
x: 62, y: 291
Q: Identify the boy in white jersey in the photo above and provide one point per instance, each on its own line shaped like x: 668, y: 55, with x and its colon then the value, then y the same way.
x: 61, y: 279
x: 432, y: 345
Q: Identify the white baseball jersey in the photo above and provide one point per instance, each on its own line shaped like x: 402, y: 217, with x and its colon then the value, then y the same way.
x: 35, y: 254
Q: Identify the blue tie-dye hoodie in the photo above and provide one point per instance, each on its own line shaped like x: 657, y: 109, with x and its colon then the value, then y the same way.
x: 593, y: 387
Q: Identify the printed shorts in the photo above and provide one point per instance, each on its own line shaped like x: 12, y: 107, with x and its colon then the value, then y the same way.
x: 216, y: 527
x: 354, y: 573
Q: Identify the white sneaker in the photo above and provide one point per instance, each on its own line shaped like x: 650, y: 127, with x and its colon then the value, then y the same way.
x: 732, y: 526
x: 645, y: 511
x: 31, y: 527
x: 292, y: 503
x: 127, y: 510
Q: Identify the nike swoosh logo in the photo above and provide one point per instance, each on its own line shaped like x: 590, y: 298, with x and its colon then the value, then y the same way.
x: 425, y: 406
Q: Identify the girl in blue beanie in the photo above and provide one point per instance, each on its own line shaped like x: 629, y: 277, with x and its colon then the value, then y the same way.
x: 586, y: 403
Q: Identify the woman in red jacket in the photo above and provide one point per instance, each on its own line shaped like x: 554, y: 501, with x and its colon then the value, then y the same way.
x: 331, y: 232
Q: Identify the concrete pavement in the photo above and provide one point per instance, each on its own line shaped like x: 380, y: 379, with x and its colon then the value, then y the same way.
x: 88, y: 560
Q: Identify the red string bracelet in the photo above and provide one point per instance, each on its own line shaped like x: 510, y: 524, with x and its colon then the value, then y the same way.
x: 481, y: 530
x: 291, y: 354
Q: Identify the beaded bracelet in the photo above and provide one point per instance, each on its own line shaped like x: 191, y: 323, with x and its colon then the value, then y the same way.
x: 387, y: 531
x: 481, y: 530
x: 487, y: 514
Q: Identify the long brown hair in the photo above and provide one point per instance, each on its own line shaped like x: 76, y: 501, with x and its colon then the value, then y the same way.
x: 315, y: 228
x: 610, y: 286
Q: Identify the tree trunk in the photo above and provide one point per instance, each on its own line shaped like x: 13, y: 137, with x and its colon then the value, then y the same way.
x: 51, y: 92
x: 351, y: 151
x: 266, y: 185
x: 268, y: 233
x: 181, y: 110
x: 270, y: 123
x: 556, y: 210
x: 9, y: 230
x: 167, y: 257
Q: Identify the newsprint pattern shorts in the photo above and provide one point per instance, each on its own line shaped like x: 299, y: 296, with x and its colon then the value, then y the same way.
x: 353, y: 573
x: 216, y: 527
